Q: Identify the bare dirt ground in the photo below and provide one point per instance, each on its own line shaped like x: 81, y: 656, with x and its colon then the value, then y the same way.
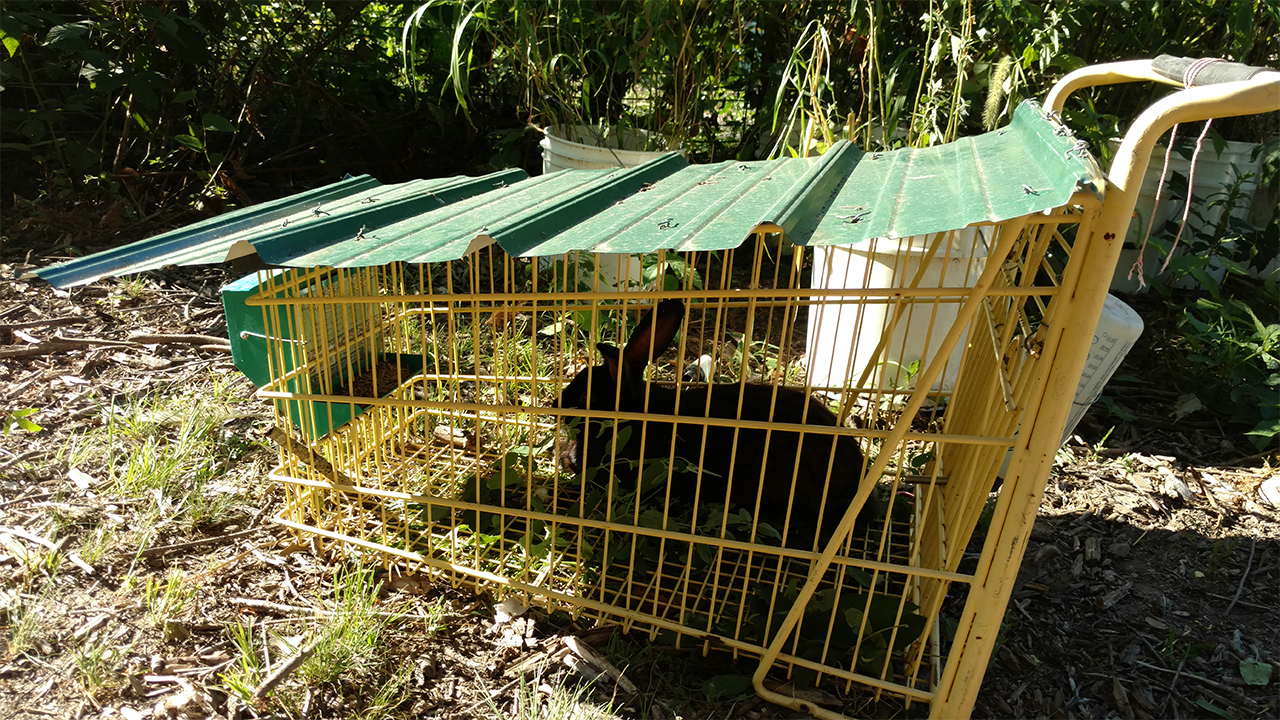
x: 1151, y: 588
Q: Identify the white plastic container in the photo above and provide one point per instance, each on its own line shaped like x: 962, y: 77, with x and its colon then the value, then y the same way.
x: 838, y: 335
x: 577, y: 147
x: 1118, y: 329
x: 1215, y: 174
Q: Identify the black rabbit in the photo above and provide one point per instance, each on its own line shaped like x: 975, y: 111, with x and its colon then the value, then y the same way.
x: 755, y: 454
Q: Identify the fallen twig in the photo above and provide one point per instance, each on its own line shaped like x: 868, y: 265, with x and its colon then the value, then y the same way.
x: 197, y: 543
x: 304, y: 453
x: 28, y: 498
x: 284, y: 671
x: 51, y: 322
x: 588, y: 653
x: 54, y: 345
x: 149, y: 339
x: 316, y: 612
x: 1247, y: 567
x: 19, y: 532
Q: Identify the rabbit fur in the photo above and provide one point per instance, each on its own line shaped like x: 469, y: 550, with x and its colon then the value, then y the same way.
x: 618, y: 384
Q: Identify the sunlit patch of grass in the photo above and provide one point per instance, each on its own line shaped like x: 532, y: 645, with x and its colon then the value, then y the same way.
x: 535, y: 700
x: 168, y: 598
x: 95, y: 660
x: 95, y: 544
x: 391, y: 694
x: 26, y: 619
x: 245, y: 674
x: 166, y: 451
x: 351, y: 641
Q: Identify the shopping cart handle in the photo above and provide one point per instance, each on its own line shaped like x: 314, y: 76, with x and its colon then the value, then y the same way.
x: 1209, y: 72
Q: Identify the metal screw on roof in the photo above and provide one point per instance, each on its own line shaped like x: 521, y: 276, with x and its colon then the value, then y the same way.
x: 360, y: 233
x: 856, y: 217
x: 646, y: 187
x: 500, y: 184
x: 1002, y: 131
x: 743, y: 168
x: 284, y: 223
x: 1055, y: 116
x: 1027, y: 190
x: 317, y: 211
x: 1081, y: 148
x: 875, y: 156
x: 665, y: 224
x: 368, y: 201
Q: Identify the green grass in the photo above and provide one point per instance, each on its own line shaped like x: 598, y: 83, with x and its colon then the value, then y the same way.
x: 534, y: 700
x: 95, y: 659
x: 169, y: 598
x: 164, y: 451
x: 348, y: 665
x: 244, y: 675
x: 352, y: 640
x: 26, y: 618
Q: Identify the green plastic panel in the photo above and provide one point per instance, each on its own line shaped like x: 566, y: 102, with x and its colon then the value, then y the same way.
x: 843, y: 197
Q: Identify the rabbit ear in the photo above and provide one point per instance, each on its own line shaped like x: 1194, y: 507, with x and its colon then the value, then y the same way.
x: 612, y: 356
x: 653, y: 333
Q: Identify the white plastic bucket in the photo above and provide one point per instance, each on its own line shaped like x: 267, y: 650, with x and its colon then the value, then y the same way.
x: 575, y: 147
x: 1213, y: 176
x: 842, y: 337
x: 1118, y: 329
x: 578, y: 147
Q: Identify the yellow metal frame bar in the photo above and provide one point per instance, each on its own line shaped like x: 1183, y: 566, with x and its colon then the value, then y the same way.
x: 1074, y: 316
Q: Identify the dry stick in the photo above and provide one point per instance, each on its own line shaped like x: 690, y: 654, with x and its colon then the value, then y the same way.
x: 588, y: 653
x: 19, y: 532
x: 1247, y: 567
x: 1193, y: 676
x: 284, y: 671
x: 304, y: 453
x: 149, y: 339
x: 317, y: 612
x: 1247, y: 458
x: 28, y: 498
x: 51, y: 322
x: 56, y: 344
x: 1242, y: 603
x: 197, y: 543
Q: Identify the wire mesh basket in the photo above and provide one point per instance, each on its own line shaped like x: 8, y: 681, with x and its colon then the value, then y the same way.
x: 779, y: 449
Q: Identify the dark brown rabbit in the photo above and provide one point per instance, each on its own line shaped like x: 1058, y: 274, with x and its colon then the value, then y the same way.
x: 753, y: 456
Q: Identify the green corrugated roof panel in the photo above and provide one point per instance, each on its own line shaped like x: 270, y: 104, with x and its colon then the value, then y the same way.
x: 1026, y: 167
x: 312, y: 217
x: 843, y: 197
x: 543, y: 206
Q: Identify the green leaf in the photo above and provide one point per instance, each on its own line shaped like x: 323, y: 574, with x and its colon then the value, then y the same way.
x: 1255, y: 673
x: 189, y: 142
x: 185, y: 96
x: 1266, y: 428
x: 726, y: 686
x: 217, y: 123
x: 1215, y: 709
x: 68, y: 35
x: 10, y: 34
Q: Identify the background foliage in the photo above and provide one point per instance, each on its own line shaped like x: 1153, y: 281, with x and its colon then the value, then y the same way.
x: 119, y: 119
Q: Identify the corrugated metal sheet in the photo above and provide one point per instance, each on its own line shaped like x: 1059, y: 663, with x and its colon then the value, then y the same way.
x: 843, y: 197
x: 286, y: 222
